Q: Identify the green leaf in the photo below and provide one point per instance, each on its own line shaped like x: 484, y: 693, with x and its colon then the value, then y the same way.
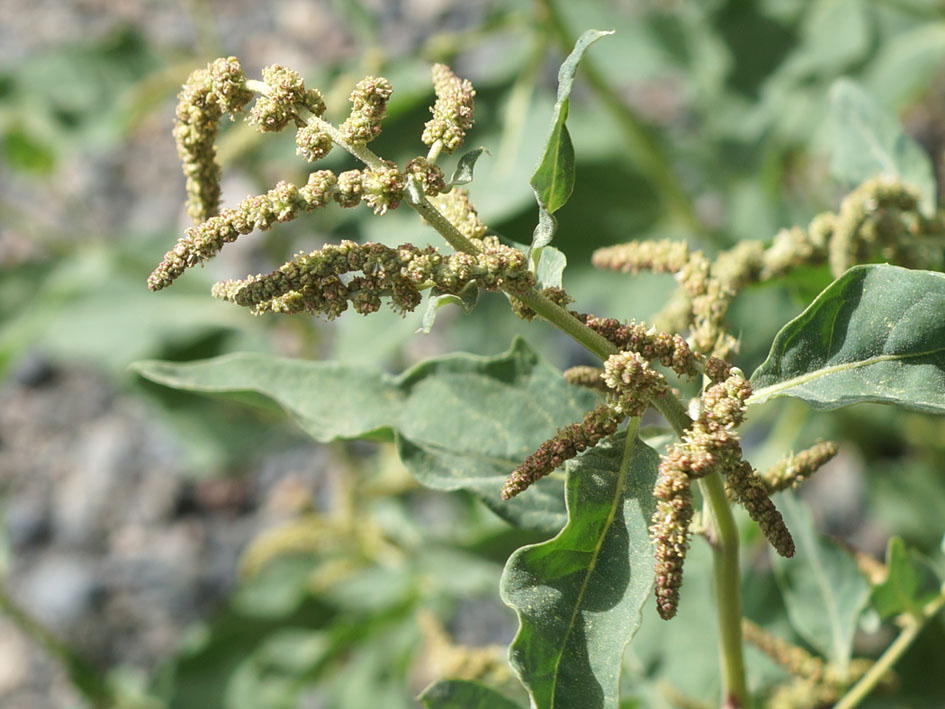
x: 579, y: 596
x: 876, y: 334
x: 463, y: 694
x: 822, y: 586
x: 22, y: 151
x: 901, y: 591
x: 329, y: 400
x: 463, y: 174
x: 553, y: 179
x: 868, y: 140
x: 461, y: 421
x: 551, y: 264
x: 467, y: 299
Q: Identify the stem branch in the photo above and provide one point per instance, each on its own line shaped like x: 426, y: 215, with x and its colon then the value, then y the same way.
x: 890, y: 657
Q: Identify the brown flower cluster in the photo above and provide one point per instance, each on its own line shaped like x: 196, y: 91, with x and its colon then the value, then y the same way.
x: 631, y: 384
x: 564, y: 445
x: 710, y: 445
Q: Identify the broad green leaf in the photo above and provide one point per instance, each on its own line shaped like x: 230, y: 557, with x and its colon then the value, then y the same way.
x: 463, y: 174
x: 579, y: 595
x: 464, y: 694
x: 553, y: 179
x: 867, y: 140
x: 876, y: 334
x: 822, y: 586
x: 467, y: 422
x: 461, y: 421
x: 329, y: 400
x: 901, y: 591
x: 466, y: 299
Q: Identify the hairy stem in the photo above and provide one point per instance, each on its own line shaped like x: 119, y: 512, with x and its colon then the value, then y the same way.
x: 889, y: 658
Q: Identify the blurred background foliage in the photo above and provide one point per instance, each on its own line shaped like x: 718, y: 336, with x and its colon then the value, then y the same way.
x: 323, y: 576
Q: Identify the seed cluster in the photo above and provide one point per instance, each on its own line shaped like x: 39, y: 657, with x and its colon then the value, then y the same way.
x: 452, y: 111
x: 312, y: 283
x: 794, y: 469
x: 879, y: 219
x: 206, y: 97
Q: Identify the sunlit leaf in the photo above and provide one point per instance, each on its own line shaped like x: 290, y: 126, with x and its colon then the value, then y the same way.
x: 463, y: 174
x: 902, y: 589
x: 551, y: 265
x: 579, y: 596
x: 466, y: 299
x: 553, y: 179
x: 876, y: 334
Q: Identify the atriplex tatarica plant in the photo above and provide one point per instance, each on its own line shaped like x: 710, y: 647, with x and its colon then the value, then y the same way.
x: 631, y: 499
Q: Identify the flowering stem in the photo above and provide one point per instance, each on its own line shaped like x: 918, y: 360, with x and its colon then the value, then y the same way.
x: 725, y: 565
x: 913, y: 626
x: 725, y: 550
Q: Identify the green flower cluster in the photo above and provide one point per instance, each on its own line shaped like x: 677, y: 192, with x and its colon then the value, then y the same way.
x: 284, y: 100
x: 813, y: 682
x: 794, y: 469
x: 460, y: 212
x: 879, y: 219
x: 584, y: 376
x: 368, y: 109
x: 203, y: 241
x: 452, y: 111
x: 207, y: 95
x: 312, y: 282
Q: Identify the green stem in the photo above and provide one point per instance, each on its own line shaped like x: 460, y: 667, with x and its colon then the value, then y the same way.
x: 87, y: 679
x: 890, y: 657
x: 727, y: 592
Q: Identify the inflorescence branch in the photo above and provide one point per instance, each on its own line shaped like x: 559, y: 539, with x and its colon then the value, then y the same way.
x: 880, y: 219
